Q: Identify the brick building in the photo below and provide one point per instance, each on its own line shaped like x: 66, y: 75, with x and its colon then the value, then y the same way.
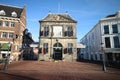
x: 12, y: 25
x: 57, y: 39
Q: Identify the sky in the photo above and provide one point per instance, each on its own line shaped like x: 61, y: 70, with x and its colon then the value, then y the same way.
x: 87, y: 13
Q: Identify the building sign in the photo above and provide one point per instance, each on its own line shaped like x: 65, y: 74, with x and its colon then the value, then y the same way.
x: 57, y: 31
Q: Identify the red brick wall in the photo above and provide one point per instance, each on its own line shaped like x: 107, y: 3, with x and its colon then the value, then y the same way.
x: 23, y: 16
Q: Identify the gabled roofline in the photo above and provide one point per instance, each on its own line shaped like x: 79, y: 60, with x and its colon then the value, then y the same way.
x: 60, y: 14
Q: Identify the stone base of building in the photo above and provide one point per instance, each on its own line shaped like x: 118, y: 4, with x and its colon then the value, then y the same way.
x: 65, y: 58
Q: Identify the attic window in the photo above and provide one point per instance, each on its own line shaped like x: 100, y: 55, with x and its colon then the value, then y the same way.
x: 14, y: 14
x: 2, y: 12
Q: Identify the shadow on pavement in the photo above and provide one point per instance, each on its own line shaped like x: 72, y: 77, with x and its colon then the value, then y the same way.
x: 9, y: 76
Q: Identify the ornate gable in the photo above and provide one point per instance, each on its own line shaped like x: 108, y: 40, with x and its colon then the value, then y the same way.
x: 58, y: 17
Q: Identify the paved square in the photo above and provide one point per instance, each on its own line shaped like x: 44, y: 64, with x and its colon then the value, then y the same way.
x: 34, y: 70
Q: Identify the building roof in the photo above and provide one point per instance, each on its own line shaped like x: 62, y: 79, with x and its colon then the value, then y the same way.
x: 11, y: 9
x: 111, y: 15
x: 58, y: 17
x: 34, y: 44
x: 79, y: 45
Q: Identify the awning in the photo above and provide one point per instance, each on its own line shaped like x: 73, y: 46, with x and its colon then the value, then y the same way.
x: 5, y: 52
x: 33, y: 45
x: 79, y: 45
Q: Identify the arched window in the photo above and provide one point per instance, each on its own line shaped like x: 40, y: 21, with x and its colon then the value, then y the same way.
x: 2, y: 12
x: 57, y: 45
x: 14, y: 14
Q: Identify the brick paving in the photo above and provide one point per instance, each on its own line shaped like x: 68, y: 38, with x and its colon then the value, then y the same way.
x: 34, y: 70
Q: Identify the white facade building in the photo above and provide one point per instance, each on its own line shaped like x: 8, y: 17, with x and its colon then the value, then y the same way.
x: 106, y: 34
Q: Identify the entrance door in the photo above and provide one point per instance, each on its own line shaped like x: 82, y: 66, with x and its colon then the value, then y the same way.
x: 57, y: 51
x: 57, y: 54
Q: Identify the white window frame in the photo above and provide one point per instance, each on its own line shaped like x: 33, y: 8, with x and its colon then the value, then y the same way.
x: 5, y: 24
x: 2, y: 12
x: 14, y: 14
x: 10, y: 35
x: 12, y: 24
x: 4, y: 35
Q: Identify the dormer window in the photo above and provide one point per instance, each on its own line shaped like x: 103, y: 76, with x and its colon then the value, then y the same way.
x: 14, y: 14
x: 2, y: 12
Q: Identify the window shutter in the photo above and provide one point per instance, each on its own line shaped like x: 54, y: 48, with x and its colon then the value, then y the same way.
x: 42, y: 33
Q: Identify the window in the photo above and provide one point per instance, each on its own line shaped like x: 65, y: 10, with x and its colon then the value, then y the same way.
x: 4, y: 35
x: 14, y: 14
x: 46, y: 31
x: 115, y: 28
x: 116, y: 42
x: 6, y: 23
x: 95, y: 56
x: 107, y: 42
x: 0, y: 23
x: 45, y: 46
x: 10, y: 35
x: 70, y: 31
x: 2, y: 12
x: 57, y: 31
x: 12, y: 24
x: 70, y: 47
x: 106, y: 29
x: 101, y: 57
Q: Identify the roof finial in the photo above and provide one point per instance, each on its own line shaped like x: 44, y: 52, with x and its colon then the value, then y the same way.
x: 49, y: 12
x: 66, y: 12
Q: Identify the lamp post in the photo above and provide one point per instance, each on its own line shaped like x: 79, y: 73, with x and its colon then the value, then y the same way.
x: 7, y: 58
x: 23, y: 48
x: 103, y: 55
x: 0, y: 51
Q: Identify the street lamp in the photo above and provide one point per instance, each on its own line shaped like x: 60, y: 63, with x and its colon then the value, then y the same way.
x: 103, y: 54
x: 0, y: 51
x: 7, y: 58
x: 21, y: 52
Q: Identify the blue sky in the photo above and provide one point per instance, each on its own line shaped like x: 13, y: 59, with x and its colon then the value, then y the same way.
x: 86, y: 12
